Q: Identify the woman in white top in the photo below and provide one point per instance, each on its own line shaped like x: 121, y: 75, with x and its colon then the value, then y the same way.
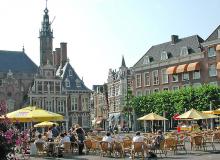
x: 108, y: 138
x: 50, y: 134
x: 138, y: 137
x: 40, y: 140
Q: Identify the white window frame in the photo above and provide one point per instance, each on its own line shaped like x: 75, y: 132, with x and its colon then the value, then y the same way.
x: 74, y: 104
x: 85, y: 103
x: 146, y: 60
x: 155, y: 77
x: 147, y: 92
x: 147, y: 79
x: 166, y: 88
x: 49, y: 105
x: 196, y: 75
x: 164, y: 76
x: 60, y: 106
x: 138, y: 80
x: 184, y: 51
x: 212, y: 70
x: 185, y: 76
x: 164, y: 56
x: 211, y: 52
x: 175, y: 78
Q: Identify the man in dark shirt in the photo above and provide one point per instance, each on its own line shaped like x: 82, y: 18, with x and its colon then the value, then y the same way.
x: 55, y: 131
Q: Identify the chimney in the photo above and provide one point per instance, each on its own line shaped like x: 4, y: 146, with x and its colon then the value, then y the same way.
x: 63, y: 47
x: 57, y: 57
x: 174, y: 39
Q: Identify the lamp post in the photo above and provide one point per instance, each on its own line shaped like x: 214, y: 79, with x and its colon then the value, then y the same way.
x: 210, y: 108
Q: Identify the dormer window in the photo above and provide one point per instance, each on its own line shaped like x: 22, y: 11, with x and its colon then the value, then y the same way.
x: 148, y: 59
x: 78, y: 84
x: 218, y: 33
x: 184, y: 51
x: 67, y: 83
x: 164, y: 55
x: 70, y: 73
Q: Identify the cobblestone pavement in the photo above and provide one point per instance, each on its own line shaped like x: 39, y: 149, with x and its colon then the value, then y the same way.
x: 181, y: 155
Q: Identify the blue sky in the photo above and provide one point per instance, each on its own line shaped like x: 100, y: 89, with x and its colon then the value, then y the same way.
x: 99, y: 32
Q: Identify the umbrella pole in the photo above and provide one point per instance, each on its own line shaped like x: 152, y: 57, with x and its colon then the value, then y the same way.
x: 152, y: 126
x: 171, y: 123
x: 145, y: 126
x: 164, y: 127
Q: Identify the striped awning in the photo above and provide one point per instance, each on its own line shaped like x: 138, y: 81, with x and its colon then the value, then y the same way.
x: 193, y: 67
x: 171, y: 70
x: 181, y: 68
x: 217, y: 47
x: 218, y: 65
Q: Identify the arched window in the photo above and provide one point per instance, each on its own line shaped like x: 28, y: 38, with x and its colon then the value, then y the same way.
x: 184, y: 51
x: 164, y: 55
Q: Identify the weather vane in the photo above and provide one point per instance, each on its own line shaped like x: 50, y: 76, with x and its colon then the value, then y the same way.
x: 46, y: 3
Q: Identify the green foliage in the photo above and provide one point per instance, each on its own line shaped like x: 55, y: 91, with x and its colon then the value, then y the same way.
x: 172, y: 102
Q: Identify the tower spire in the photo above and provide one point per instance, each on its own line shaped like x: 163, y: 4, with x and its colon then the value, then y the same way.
x: 123, y: 62
x: 46, y: 39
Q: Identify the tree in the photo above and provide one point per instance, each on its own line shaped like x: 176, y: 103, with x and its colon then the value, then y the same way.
x: 172, y: 102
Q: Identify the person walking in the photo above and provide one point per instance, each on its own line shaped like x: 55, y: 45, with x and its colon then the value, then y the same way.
x: 81, y: 137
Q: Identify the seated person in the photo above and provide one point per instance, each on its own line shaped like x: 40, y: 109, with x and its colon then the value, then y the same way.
x: 64, y: 138
x: 138, y: 137
x: 108, y: 138
x: 158, y: 139
x: 40, y: 140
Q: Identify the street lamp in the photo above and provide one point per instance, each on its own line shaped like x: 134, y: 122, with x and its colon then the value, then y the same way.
x: 210, y: 108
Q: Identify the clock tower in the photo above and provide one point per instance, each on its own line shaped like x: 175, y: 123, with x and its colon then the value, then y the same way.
x: 46, y: 40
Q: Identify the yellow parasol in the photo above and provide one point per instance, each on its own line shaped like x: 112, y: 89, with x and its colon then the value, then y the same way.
x: 217, y: 111
x: 33, y: 114
x: 193, y: 114
x: 151, y: 117
x: 211, y: 116
x: 45, y: 124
